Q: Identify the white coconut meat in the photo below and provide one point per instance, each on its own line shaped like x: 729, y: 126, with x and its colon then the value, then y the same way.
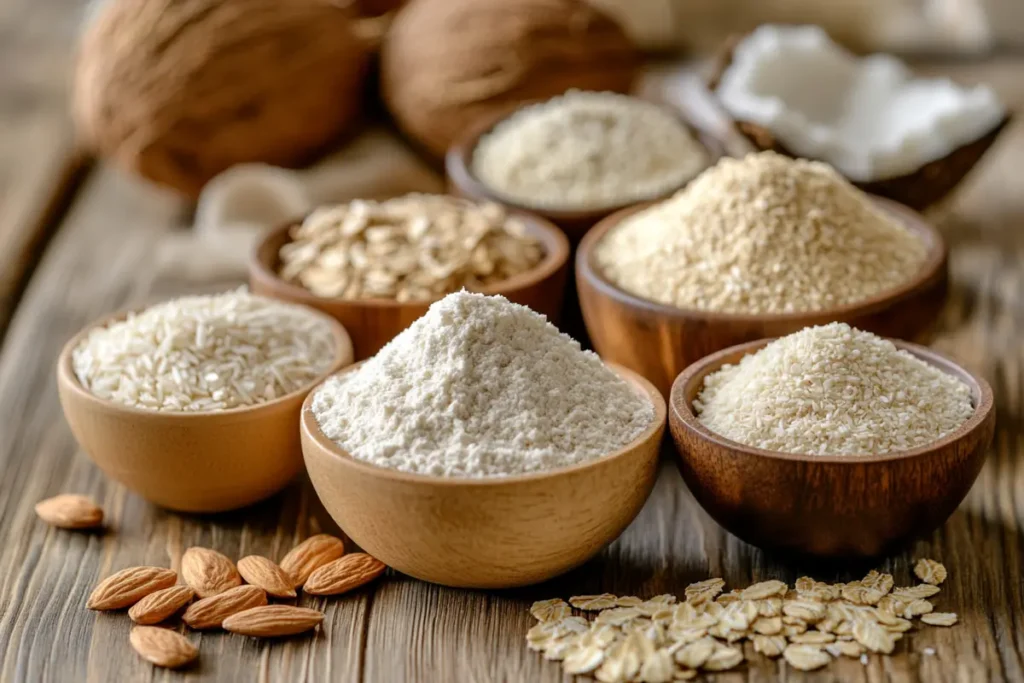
x: 868, y: 117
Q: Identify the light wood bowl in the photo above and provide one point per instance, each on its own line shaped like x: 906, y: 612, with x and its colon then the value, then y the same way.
x: 192, y: 462
x: 486, y: 533
x: 828, y: 506
x: 659, y: 341
x: 374, y: 322
x: 575, y: 222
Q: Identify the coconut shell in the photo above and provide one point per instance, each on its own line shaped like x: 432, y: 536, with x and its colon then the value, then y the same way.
x: 180, y: 91
x: 446, y: 64
x: 924, y: 187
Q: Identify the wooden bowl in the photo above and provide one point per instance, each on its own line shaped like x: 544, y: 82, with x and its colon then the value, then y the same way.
x: 831, y: 506
x: 659, y: 341
x: 575, y: 222
x: 374, y: 322
x: 193, y: 462
x: 486, y: 533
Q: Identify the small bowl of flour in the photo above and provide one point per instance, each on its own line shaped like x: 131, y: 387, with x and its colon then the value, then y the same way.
x: 482, y: 447
x: 578, y: 157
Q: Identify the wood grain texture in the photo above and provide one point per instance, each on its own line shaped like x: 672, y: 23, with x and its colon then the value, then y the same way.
x: 106, y: 256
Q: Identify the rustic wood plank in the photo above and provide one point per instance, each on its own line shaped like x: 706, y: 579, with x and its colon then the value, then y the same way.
x: 39, y: 164
x: 106, y: 256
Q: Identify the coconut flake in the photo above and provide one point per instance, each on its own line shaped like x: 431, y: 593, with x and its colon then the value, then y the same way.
x: 869, y: 117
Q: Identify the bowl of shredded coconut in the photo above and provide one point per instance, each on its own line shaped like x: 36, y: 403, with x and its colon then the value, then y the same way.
x: 194, y: 403
x: 830, y: 441
x: 753, y: 248
x: 578, y: 157
x: 482, y: 447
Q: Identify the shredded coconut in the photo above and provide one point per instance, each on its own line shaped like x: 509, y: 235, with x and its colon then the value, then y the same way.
x: 587, y: 150
x: 762, y: 234
x: 205, y: 353
x: 480, y: 387
x: 833, y: 390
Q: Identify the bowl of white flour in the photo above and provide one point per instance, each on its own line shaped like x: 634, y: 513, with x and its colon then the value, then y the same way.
x: 482, y: 447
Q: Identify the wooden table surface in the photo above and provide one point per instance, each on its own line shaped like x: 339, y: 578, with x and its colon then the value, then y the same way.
x: 79, y: 239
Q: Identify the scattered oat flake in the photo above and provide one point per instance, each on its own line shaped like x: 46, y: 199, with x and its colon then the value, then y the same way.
x: 806, y: 657
x: 807, y: 610
x: 916, y: 608
x: 693, y: 655
x: 845, y: 648
x: 769, y: 646
x: 617, y: 616
x: 584, y: 660
x: 812, y: 638
x: 593, y: 603
x: 930, y: 571
x: 939, y: 618
x: 550, y: 610
x: 723, y: 659
x: 873, y: 636
x: 764, y: 589
x: 657, y: 667
x: 628, y: 601
x: 702, y: 591
x: 921, y: 590
x: 768, y: 626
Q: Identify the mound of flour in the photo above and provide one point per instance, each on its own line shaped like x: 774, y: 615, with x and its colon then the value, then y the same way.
x: 480, y: 387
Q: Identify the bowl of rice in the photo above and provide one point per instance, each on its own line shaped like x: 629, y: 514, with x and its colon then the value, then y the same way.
x: 831, y: 441
x: 194, y: 403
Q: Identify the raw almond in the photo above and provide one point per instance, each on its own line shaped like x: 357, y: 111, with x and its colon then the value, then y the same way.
x: 208, y: 572
x: 259, y: 571
x: 310, y: 555
x: 157, y: 606
x: 70, y: 511
x: 212, y: 611
x: 162, y: 646
x: 128, y: 586
x: 344, y: 574
x: 271, y: 621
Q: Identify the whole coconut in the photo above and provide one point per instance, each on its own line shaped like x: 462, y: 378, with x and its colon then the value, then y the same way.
x: 446, y: 64
x: 178, y: 91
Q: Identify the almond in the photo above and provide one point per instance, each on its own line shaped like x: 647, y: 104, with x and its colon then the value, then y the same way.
x: 162, y: 646
x: 208, y: 572
x: 310, y: 555
x: 157, y: 606
x: 344, y: 574
x: 70, y: 511
x: 128, y: 586
x: 259, y: 571
x: 272, y: 621
x: 211, y: 612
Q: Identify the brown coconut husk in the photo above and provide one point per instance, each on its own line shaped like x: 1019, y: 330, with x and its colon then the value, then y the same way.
x: 924, y: 187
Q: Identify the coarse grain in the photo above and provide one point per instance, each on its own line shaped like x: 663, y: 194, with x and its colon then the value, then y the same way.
x: 587, y: 150
x: 205, y: 353
x: 763, y: 235
x: 480, y: 387
x: 833, y: 390
x: 414, y: 247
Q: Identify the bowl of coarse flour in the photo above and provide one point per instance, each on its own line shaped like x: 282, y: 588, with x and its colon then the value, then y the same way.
x: 482, y: 447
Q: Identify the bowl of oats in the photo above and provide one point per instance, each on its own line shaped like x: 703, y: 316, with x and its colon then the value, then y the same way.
x: 376, y: 266
x: 830, y: 441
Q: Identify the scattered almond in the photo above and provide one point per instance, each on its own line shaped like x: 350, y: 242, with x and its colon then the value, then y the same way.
x: 259, y: 571
x: 128, y: 586
x: 70, y: 511
x: 344, y: 574
x: 310, y: 555
x: 272, y: 621
x: 162, y: 646
x: 161, y: 604
x: 212, y: 611
x: 208, y: 572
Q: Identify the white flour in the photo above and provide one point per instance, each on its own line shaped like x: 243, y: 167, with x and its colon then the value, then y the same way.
x: 481, y: 387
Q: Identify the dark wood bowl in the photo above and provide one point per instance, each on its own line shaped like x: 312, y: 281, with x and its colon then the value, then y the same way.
x: 372, y: 323
x: 920, y: 189
x: 828, y: 506
x: 575, y: 222
x: 659, y: 341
